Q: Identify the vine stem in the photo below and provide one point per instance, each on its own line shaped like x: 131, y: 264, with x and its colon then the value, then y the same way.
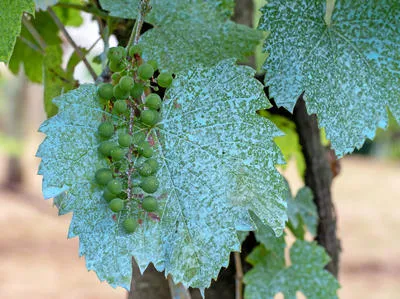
x: 239, y: 276
x: 32, y: 30
x: 330, y: 6
x: 78, y: 51
x: 144, y: 9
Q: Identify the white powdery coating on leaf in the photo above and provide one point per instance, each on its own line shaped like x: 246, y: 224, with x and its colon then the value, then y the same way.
x: 126, y: 9
x: 43, y: 4
x: 349, y: 71
x: 217, y: 161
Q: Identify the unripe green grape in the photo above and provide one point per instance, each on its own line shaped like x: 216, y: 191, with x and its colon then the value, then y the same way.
x: 153, y: 101
x: 119, y: 93
x: 116, y: 205
x: 106, y: 129
x: 126, y: 83
x: 105, y: 91
x: 145, y: 149
x: 115, y: 77
x: 106, y: 147
x: 116, y: 66
x: 117, y: 154
x: 114, y: 186
x: 153, y: 163
x: 120, y: 106
x: 125, y: 140
x: 153, y: 63
x: 149, y: 184
x: 145, y: 170
x: 116, y: 53
x: 149, y: 117
x: 137, y: 90
x: 108, y: 196
x: 145, y: 71
x: 149, y: 204
x: 130, y: 225
x: 138, y: 137
x: 103, y: 176
x: 165, y: 80
x: 135, y: 49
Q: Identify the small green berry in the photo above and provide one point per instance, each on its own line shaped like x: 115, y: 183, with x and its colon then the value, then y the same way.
x: 103, y: 176
x: 165, y: 80
x: 145, y: 149
x: 120, y: 106
x: 149, y: 204
x: 106, y: 147
x: 105, y: 91
x: 149, y: 117
x: 138, y: 137
x: 116, y: 66
x: 106, y: 129
x: 130, y: 225
x: 126, y: 83
x: 153, y: 163
x: 153, y: 63
x: 125, y: 140
x: 116, y: 53
x: 149, y: 184
x: 108, y: 196
x: 117, y: 154
x: 145, y: 170
x: 115, y: 77
x: 114, y: 186
x: 119, y: 93
x: 137, y: 90
x: 135, y: 49
x: 153, y: 101
x: 116, y: 205
x: 145, y: 71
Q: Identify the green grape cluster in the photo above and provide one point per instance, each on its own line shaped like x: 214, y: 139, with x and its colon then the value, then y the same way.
x: 131, y: 109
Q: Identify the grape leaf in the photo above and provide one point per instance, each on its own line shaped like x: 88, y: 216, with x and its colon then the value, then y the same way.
x: 218, y: 160
x: 126, y: 9
x: 302, y: 210
x: 30, y: 58
x: 349, y: 70
x: 306, y: 273
x: 55, y: 79
x: 43, y: 4
x: 10, y: 24
x: 195, y: 34
x: 266, y: 236
x: 69, y: 16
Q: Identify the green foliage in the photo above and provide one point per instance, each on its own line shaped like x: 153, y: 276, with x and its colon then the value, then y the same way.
x: 10, y: 22
x: 68, y: 16
x: 187, y: 34
x: 217, y: 164
x: 31, y: 56
x: 306, y: 273
x: 348, y: 70
x: 43, y: 4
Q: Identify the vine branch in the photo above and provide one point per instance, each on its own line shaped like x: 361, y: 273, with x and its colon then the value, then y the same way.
x: 32, y: 30
x: 238, y: 276
x: 78, y: 51
x: 144, y: 9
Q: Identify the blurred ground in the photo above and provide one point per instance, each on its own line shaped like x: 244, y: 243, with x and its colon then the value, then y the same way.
x: 38, y: 262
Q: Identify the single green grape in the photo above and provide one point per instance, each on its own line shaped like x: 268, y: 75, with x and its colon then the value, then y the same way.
x: 138, y: 137
x: 154, y: 64
x: 115, y: 77
x: 117, y: 154
x: 149, y: 117
x: 135, y: 49
x: 130, y: 225
x: 145, y: 71
x: 116, y: 205
x: 116, y: 66
x: 125, y: 140
x: 153, y: 163
x: 145, y: 149
x: 137, y: 90
x: 149, y: 204
x: 149, y: 184
x: 120, y: 106
x: 165, y: 80
x: 119, y: 93
x: 153, y: 101
x: 126, y: 83
x: 103, y: 176
x: 116, y: 53
x: 108, y: 196
x: 106, y: 129
x: 106, y: 147
x: 114, y: 186
x: 105, y: 91
x: 145, y: 169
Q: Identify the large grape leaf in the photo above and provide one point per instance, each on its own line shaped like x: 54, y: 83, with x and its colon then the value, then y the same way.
x: 195, y: 34
x: 32, y: 59
x: 10, y: 24
x: 218, y: 160
x: 348, y: 70
x: 306, y: 273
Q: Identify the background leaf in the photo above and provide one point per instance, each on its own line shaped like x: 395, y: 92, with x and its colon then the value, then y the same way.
x: 349, y: 71
x: 10, y: 22
x: 218, y: 160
